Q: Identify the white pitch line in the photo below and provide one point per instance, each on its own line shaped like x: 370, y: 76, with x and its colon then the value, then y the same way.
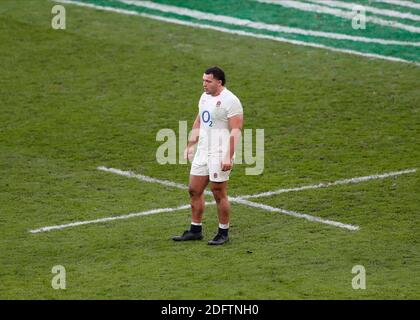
x: 340, y: 13
x: 126, y: 216
x: 141, y: 177
x: 196, y: 14
x: 122, y: 217
x: 237, y: 200
x: 183, y: 187
x: 240, y: 200
x: 401, y: 3
x: 329, y: 184
x: 383, y: 12
x: 240, y: 32
x: 297, y: 214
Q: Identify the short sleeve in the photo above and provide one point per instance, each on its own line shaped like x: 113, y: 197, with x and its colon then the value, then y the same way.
x: 235, y: 108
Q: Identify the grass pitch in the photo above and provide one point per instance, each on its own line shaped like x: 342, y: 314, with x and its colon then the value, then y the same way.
x: 98, y: 92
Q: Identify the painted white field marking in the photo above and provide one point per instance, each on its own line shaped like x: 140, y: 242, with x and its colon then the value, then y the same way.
x: 167, y: 183
x: 240, y: 200
x: 383, y: 12
x: 408, y: 4
x: 141, y: 177
x: 237, y: 200
x: 330, y: 184
x: 241, y: 33
x: 297, y: 214
x: 122, y: 217
x: 260, y: 25
x: 340, y: 13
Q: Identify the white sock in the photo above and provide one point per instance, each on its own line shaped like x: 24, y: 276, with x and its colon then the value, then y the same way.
x: 224, y: 226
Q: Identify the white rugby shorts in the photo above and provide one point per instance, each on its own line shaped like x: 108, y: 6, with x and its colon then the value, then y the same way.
x: 212, y: 168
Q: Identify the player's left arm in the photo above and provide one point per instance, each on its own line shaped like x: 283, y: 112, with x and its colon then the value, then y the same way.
x: 235, y: 127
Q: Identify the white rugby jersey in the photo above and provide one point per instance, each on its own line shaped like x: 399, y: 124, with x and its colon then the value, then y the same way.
x: 214, y: 113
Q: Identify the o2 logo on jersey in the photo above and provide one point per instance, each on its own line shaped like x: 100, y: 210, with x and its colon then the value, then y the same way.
x: 205, y: 116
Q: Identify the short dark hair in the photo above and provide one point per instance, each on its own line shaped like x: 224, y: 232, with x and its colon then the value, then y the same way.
x: 217, y: 73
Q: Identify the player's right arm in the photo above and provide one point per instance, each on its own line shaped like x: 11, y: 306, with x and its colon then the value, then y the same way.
x: 193, y: 139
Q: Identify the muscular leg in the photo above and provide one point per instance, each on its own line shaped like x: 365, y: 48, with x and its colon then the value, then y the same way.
x: 196, y: 190
x: 219, y: 190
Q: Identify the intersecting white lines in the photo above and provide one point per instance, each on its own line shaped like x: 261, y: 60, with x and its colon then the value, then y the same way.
x: 240, y: 200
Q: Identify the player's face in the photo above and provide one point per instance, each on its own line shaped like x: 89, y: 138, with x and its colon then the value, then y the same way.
x: 210, y: 84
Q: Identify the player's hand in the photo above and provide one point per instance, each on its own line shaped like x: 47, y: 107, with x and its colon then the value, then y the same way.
x: 227, y: 165
x: 189, y: 153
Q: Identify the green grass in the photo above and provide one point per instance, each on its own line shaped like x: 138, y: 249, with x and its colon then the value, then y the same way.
x: 97, y: 94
